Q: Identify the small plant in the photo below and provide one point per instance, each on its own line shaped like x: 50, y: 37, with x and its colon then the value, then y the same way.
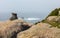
x: 55, y: 12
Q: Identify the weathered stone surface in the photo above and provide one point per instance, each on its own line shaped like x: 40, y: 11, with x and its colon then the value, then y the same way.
x: 10, y: 29
x: 14, y: 16
x: 40, y: 31
x: 51, y: 18
x: 58, y: 19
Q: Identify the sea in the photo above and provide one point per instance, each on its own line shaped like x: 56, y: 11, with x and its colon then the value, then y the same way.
x: 31, y: 20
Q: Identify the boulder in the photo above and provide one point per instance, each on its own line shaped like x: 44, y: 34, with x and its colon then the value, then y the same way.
x: 14, y: 16
x: 10, y: 29
x: 58, y: 19
x: 51, y: 18
x: 40, y: 30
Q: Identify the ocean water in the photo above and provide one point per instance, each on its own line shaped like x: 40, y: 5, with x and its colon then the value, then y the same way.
x: 32, y: 20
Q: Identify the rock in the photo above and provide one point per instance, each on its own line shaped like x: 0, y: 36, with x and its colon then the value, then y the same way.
x: 10, y: 29
x: 14, y: 16
x: 43, y: 25
x: 51, y: 18
x: 58, y: 19
x: 40, y: 31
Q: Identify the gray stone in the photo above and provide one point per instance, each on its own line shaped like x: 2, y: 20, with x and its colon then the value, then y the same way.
x: 14, y: 16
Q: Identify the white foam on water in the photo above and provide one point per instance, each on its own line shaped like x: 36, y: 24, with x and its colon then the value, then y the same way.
x: 32, y: 19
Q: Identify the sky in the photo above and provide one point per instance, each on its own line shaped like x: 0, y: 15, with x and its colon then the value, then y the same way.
x: 27, y: 8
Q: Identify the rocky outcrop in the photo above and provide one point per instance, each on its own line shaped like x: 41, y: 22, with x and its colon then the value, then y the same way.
x: 53, y: 19
x: 40, y: 30
x: 10, y: 29
x: 14, y: 16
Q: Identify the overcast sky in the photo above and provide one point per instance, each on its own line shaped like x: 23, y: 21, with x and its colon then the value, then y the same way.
x: 27, y: 8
